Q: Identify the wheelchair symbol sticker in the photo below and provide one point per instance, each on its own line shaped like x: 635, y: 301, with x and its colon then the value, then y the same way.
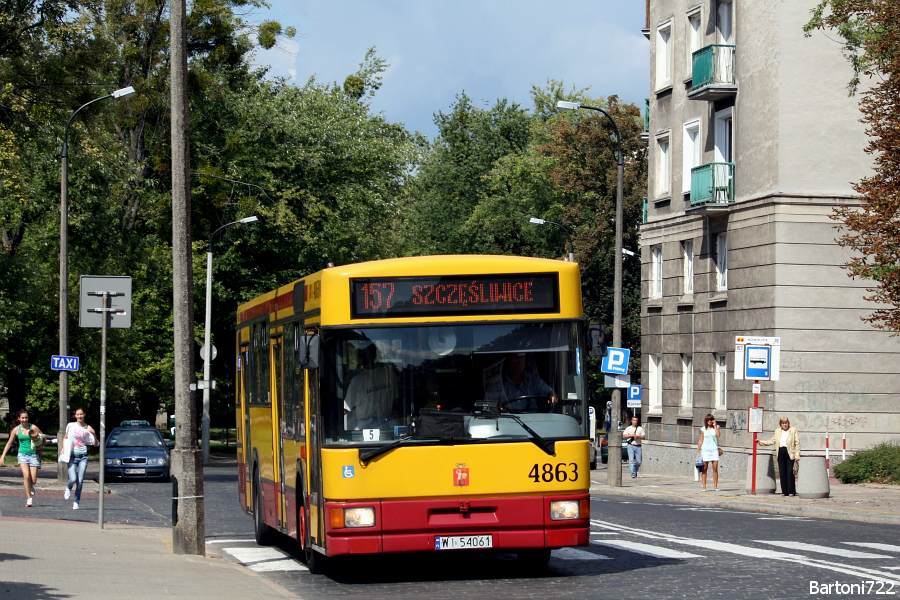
x: 348, y: 472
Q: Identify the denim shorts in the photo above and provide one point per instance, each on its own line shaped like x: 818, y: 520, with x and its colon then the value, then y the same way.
x: 32, y: 460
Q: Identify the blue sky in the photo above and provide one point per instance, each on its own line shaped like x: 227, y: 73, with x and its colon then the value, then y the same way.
x: 490, y: 49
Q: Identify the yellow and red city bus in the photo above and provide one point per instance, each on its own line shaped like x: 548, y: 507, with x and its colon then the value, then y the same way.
x: 375, y: 413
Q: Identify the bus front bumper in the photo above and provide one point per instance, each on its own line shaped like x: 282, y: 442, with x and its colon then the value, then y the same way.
x: 495, y: 524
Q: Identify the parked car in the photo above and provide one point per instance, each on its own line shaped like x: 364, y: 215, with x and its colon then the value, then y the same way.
x: 135, y: 450
x: 604, y: 449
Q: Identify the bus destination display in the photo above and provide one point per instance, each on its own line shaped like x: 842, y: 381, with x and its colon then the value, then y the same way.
x: 391, y: 297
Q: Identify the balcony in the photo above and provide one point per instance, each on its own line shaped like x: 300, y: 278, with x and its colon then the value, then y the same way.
x: 712, y: 184
x: 712, y: 75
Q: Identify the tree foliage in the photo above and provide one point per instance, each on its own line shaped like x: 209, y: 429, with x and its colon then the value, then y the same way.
x: 871, y: 30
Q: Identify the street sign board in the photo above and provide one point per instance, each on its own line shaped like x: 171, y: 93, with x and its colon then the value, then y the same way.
x: 742, y: 358
x: 634, y: 396
x: 616, y: 381
x: 615, y: 361
x: 63, y: 363
x: 90, y: 302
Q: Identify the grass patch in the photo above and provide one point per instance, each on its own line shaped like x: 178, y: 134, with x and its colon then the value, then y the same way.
x: 880, y: 464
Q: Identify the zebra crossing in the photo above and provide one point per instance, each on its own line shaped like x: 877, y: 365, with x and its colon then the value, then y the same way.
x: 612, y: 542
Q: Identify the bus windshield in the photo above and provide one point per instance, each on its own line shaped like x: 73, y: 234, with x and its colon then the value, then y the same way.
x: 459, y: 382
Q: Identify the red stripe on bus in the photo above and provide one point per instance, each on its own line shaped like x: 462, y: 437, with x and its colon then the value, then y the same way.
x: 269, y: 306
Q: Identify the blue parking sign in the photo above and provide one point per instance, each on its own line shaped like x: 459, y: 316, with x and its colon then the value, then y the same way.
x: 634, y: 392
x: 616, y: 361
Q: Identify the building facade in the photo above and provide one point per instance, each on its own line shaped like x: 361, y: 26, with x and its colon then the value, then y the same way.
x: 753, y: 141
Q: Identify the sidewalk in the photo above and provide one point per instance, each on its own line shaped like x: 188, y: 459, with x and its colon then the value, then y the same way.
x: 47, y: 559
x: 869, y: 503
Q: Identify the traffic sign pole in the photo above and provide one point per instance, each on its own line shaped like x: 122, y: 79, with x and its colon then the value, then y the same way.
x: 755, y: 405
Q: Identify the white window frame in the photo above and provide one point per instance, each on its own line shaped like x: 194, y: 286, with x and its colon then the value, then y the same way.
x: 656, y: 268
x: 687, y: 380
x: 687, y: 256
x: 724, y: 135
x: 664, y: 55
x: 725, y: 21
x: 721, y: 400
x: 663, y: 160
x: 690, y: 152
x: 722, y: 262
x: 694, y: 35
x: 654, y: 391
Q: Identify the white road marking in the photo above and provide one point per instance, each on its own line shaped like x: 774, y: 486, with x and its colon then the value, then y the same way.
x: 874, y: 546
x: 647, y: 549
x: 234, y: 541
x: 713, y: 546
x: 604, y: 533
x: 264, y: 559
x: 576, y: 554
x: 792, y: 545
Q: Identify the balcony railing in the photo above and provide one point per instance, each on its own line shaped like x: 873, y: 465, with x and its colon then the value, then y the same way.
x: 712, y: 183
x: 712, y: 75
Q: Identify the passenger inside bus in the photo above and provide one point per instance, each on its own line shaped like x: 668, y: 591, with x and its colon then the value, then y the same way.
x: 372, y: 392
x: 517, y: 389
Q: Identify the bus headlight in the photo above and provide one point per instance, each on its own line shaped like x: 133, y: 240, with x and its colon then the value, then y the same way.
x: 564, y: 510
x: 352, y: 517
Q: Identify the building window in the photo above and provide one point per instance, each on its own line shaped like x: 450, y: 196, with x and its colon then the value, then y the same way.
x: 694, y: 38
x: 664, y: 55
x: 721, y: 383
x: 690, y: 153
x: 662, y: 165
x: 722, y: 262
x: 725, y: 22
x: 687, y: 380
x: 654, y: 386
x: 687, y: 256
x: 724, y: 135
x: 656, y: 271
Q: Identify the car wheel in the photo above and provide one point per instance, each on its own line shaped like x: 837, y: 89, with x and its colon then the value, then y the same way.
x: 593, y: 465
x: 265, y: 535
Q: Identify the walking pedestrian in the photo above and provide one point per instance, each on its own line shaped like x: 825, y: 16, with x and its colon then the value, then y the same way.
x: 708, y: 449
x: 80, y: 435
x: 787, y: 451
x: 30, y: 441
x: 634, y: 433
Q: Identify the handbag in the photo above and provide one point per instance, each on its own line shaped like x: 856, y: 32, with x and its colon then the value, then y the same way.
x: 721, y: 452
x: 699, y: 462
x: 66, y: 453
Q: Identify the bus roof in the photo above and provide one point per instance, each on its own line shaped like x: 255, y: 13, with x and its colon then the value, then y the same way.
x: 325, y: 297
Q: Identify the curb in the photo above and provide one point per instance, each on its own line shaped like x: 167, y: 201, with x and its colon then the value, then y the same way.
x: 817, y: 512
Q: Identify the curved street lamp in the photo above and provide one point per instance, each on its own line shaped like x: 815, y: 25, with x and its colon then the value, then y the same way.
x: 207, y: 348
x: 126, y: 92
x: 536, y: 221
x: 615, y: 438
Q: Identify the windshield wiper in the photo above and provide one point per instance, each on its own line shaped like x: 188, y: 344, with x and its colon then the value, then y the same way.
x: 548, y: 447
x: 365, y: 457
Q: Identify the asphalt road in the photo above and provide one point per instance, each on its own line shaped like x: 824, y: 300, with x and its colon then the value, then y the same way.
x: 640, y: 549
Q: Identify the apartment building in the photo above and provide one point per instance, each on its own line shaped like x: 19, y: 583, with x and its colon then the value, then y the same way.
x: 753, y: 142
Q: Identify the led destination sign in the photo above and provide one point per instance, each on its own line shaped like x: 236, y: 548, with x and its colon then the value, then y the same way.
x: 389, y: 297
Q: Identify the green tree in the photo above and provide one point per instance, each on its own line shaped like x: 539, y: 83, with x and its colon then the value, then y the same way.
x: 871, y: 31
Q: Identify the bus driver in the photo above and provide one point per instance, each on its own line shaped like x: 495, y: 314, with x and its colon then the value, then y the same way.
x: 517, y: 390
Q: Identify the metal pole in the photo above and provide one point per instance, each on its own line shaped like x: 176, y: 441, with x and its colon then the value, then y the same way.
x: 61, y: 468
x: 755, y: 438
x: 615, y: 438
x: 105, y: 315
x: 207, y: 354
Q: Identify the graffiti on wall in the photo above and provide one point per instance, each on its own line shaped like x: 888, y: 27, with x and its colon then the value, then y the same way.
x: 824, y: 395
x: 737, y: 421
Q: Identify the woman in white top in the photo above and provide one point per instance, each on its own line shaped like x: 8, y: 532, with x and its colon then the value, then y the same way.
x: 708, y: 449
x: 81, y: 435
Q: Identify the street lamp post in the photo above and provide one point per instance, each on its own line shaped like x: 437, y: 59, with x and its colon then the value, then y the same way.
x: 536, y: 221
x: 61, y: 470
x: 207, y: 348
x: 614, y: 437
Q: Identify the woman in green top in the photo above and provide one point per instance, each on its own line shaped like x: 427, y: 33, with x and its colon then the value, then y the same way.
x: 28, y: 458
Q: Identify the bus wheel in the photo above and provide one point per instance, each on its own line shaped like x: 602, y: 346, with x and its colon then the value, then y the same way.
x: 265, y: 535
x: 538, y: 557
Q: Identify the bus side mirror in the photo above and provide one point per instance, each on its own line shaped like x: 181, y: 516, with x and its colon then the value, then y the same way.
x: 596, y: 340
x: 308, y: 349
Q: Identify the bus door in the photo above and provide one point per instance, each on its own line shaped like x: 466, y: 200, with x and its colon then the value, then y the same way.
x: 242, y: 424
x: 314, y: 458
x: 276, y: 342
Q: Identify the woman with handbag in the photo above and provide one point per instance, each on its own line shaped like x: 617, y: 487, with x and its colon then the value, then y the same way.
x: 30, y: 441
x: 787, y: 451
x: 79, y: 435
x: 708, y: 449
